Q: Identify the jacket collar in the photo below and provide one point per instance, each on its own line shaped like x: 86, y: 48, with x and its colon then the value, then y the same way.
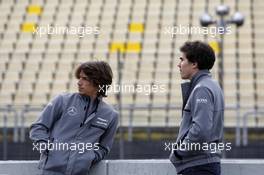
x: 95, y: 105
x: 88, y: 98
x: 187, y: 87
x: 198, y: 75
x: 85, y: 97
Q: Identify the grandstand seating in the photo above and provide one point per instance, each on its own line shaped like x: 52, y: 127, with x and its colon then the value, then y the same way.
x: 34, y: 68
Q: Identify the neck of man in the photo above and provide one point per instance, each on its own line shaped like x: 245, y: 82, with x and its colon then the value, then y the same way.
x: 93, y: 97
x: 195, y: 71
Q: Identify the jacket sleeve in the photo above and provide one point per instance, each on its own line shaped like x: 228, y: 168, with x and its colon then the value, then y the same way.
x: 39, y: 130
x: 106, y: 140
x: 202, y: 110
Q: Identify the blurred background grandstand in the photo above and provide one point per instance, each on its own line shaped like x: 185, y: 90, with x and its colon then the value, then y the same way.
x: 35, y: 67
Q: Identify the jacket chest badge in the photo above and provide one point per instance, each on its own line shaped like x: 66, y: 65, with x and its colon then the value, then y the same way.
x: 72, y: 111
x: 101, y: 121
x: 201, y: 100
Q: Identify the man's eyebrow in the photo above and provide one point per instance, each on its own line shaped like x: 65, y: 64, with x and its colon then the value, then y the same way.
x: 83, y: 77
x: 86, y: 78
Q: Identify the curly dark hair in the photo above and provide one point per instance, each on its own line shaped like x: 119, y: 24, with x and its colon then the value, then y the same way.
x: 200, y: 53
x: 99, y: 73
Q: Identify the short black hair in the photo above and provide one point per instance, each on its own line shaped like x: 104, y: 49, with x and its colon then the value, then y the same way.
x: 200, y: 53
x: 99, y: 73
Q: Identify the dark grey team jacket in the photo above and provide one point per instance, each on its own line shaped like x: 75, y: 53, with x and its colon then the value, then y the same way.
x: 63, y: 121
x: 202, y: 122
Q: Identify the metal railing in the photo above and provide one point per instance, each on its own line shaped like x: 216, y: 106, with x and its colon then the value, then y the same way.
x: 24, y: 111
x: 9, y: 109
x: 254, y: 113
x: 20, y: 115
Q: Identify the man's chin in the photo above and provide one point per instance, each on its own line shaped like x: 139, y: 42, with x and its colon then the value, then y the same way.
x: 184, y: 78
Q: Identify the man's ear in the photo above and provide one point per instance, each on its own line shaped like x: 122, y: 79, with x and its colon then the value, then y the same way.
x: 195, y: 65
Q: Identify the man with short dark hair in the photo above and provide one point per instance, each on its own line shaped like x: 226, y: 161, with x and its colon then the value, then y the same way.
x: 76, y: 130
x: 202, y: 113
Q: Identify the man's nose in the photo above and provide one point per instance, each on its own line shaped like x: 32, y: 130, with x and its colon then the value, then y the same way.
x: 179, y: 65
x: 79, y: 82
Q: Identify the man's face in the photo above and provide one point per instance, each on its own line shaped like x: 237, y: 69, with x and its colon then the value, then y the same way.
x: 85, y: 86
x: 187, y: 69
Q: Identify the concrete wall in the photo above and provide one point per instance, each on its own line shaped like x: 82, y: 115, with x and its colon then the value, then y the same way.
x: 139, y: 167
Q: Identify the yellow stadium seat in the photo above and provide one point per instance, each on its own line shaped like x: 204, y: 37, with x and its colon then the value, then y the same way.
x: 215, y: 46
x: 28, y: 27
x: 133, y: 47
x: 115, y: 47
x: 130, y: 47
x: 136, y: 27
x: 34, y: 9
